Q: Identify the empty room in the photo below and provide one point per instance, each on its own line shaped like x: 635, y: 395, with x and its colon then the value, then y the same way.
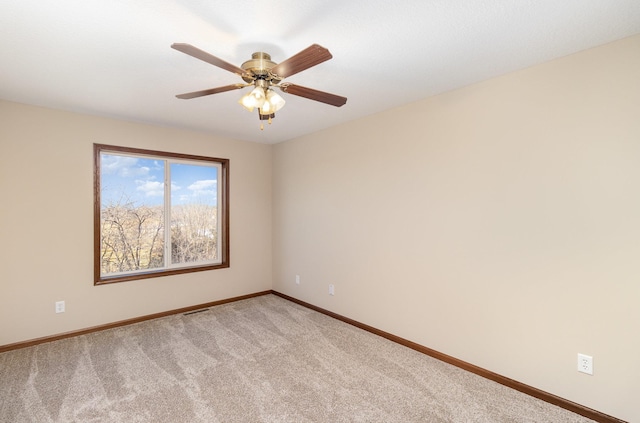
x: 320, y: 211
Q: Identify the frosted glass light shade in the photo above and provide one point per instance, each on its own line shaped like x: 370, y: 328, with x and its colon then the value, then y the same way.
x: 275, y: 100
x: 255, y: 98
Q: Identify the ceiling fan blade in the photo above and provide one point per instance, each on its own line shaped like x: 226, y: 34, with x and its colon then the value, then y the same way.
x: 311, y: 94
x: 310, y: 56
x: 209, y: 58
x: 210, y: 91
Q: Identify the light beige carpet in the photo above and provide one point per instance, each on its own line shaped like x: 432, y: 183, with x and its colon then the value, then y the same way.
x: 259, y: 360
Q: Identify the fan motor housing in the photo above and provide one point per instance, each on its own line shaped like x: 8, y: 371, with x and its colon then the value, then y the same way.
x: 259, y: 65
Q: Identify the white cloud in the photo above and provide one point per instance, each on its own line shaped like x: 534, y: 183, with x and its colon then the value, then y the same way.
x: 130, y: 172
x: 204, y: 187
x: 112, y: 164
x: 122, y: 166
x: 150, y: 188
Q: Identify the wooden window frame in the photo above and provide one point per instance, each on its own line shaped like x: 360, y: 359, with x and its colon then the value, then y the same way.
x: 223, y: 214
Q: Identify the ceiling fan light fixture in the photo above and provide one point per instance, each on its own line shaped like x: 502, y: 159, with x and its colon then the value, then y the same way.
x: 267, y: 108
x: 255, y: 98
x: 273, y: 102
x: 276, y: 101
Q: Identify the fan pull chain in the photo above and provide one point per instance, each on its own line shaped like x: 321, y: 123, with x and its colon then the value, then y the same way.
x: 262, y: 125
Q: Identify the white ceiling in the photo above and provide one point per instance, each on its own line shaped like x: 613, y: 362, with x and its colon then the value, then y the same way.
x: 113, y: 58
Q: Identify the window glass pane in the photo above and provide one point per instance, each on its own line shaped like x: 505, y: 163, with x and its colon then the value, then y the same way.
x: 132, y: 213
x: 194, y: 212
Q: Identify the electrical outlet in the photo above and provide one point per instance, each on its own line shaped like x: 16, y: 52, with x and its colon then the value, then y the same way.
x: 332, y: 290
x: 59, y: 306
x: 585, y: 364
x: 297, y: 279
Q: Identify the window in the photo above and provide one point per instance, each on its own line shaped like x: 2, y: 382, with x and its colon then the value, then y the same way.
x: 158, y: 213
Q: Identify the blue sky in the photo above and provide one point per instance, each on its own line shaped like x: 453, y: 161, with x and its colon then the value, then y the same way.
x: 141, y: 180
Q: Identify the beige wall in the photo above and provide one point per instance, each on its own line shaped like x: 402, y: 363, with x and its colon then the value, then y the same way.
x: 499, y: 224
x: 46, y: 223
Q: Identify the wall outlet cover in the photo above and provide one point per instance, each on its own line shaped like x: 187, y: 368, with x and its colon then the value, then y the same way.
x: 585, y: 364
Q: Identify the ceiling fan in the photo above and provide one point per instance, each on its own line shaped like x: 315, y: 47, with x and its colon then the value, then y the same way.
x: 264, y: 74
